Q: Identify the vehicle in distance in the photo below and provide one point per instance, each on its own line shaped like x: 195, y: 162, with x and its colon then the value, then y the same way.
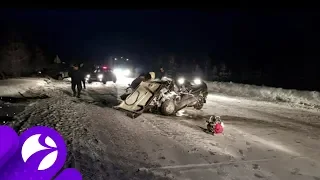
x: 101, y: 74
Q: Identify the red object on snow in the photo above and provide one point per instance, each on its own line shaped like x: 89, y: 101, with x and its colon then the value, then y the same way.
x: 218, y: 128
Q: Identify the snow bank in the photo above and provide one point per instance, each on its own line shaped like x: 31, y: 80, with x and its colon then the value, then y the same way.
x: 12, y: 87
x: 309, y: 98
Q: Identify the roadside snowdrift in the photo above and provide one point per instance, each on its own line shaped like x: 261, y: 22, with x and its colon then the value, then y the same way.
x: 12, y: 87
x: 308, y: 98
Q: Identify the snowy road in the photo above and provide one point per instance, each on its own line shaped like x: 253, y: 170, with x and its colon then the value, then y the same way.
x: 262, y: 140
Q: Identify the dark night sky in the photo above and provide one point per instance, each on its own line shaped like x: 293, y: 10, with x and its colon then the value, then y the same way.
x: 94, y: 33
x: 243, y: 35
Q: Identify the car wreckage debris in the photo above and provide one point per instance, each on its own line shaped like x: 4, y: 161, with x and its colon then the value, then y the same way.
x: 215, y: 125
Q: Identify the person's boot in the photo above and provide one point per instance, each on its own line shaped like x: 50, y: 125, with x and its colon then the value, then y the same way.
x: 78, y: 95
x: 74, y: 94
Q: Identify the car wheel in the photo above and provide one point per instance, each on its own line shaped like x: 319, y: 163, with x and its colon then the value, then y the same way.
x: 89, y: 81
x: 104, y: 82
x: 168, y: 108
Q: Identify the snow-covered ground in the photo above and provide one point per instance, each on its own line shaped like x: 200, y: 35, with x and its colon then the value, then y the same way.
x: 11, y: 87
x: 304, y: 98
x: 262, y: 140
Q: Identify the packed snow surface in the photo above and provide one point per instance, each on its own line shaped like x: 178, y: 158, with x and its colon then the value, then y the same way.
x: 308, y: 98
x: 261, y: 140
x: 303, y: 98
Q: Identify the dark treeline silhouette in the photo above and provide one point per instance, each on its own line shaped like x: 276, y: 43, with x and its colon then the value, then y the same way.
x: 281, y: 50
x: 278, y: 49
x: 286, y: 62
x: 21, y: 54
x: 289, y: 71
x: 272, y: 49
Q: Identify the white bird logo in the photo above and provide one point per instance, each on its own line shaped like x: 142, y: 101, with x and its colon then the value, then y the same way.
x: 32, y: 146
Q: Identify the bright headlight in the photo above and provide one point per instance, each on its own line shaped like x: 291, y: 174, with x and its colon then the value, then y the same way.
x: 126, y: 72
x: 121, y: 72
x: 100, y: 76
x: 117, y: 71
x: 181, y: 80
x: 88, y: 76
x: 197, y: 81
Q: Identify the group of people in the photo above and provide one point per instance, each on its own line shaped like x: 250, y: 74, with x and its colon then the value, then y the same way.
x: 77, y: 75
x: 77, y: 79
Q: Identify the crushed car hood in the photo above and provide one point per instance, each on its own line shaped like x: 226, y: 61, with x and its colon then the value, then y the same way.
x: 140, y: 98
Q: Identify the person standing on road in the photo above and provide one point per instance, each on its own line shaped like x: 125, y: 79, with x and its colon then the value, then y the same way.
x: 145, y: 77
x: 83, y: 75
x: 76, y: 78
x: 161, y: 73
x: 136, y: 82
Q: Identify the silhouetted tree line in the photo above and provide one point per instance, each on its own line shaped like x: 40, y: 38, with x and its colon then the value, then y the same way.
x: 199, y: 65
x: 290, y: 71
x: 281, y: 50
x: 20, y: 56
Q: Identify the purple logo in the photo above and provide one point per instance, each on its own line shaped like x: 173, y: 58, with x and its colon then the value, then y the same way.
x: 39, y: 153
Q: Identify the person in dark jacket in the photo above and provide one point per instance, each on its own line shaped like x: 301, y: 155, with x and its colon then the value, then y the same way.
x: 76, y: 78
x: 135, y: 83
x: 161, y: 73
x: 142, y: 77
x: 83, y: 76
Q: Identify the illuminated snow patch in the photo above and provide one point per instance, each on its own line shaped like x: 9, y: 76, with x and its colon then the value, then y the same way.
x: 270, y: 143
x: 221, y: 97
